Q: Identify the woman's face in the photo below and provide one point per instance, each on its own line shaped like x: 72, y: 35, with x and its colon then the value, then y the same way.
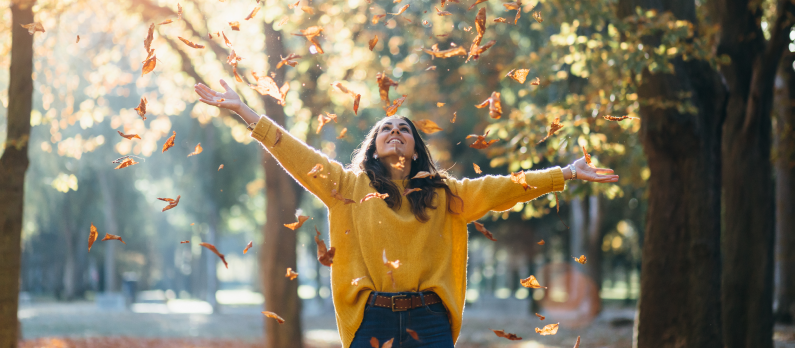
x: 394, y: 138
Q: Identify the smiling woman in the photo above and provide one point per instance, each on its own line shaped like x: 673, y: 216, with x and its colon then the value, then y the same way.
x: 400, y: 267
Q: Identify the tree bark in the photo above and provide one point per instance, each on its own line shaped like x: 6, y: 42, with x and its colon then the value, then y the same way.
x: 593, y: 245
x: 13, y: 165
x: 748, y: 237
x: 681, y: 250
x: 784, y: 145
x: 279, y: 248
x: 111, y: 224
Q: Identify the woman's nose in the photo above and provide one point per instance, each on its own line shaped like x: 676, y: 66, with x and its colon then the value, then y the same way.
x: 395, y: 131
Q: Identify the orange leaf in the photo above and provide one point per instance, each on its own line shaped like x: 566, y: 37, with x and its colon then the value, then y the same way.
x: 422, y: 175
x: 343, y: 132
x: 577, y: 344
x: 442, y: 13
x: 475, y: 4
x: 141, y: 109
x: 315, y: 172
x: 384, y: 82
x: 248, y: 246
x: 184, y: 242
x: 537, y: 16
x: 427, y: 126
x: 129, y: 136
x: 253, y: 13
x: 454, y: 116
x: 167, y: 21
x: 214, y: 250
x: 369, y: 196
x: 291, y: 6
x: 324, y: 256
x: 536, y: 82
x: 391, y: 264
x: 452, y: 52
x: 311, y: 33
x: 278, y: 137
x: 581, y: 260
x: 540, y: 316
x: 550, y: 329
x: 308, y: 9
x: 531, y: 282
x: 519, y: 178
x: 401, y: 10
x: 220, y: 167
x: 337, y: 195
x: 374, y: 342
x: 295, y: 225
x: 377, y: 18
x: 274, y: 316
x: 235, y: 25
x: 541, y: 242
x: 169, y: 142
x: 587, y: 157
x: 373, y: 41
x: 413, y: 334
x: 510, y: 336
x: 149, y: 37
x: 356, y: 104
x: 190, y: 43
x: 481, y: 142
x: 291, y: 274
x: 618, y: 118
x: 495, y: 107
x: 267, y: 86
x: 197, y: 150
x: 355, y: 281
x: 109, y: 236
x: 410, y: 190
x: 78, y: 39
x: 226, y: 40
x: 519, y: 75
x: 92, y: 236
x: 149, y: 65
x: 33, y: 27
x: 553, y: 128
x: 171, y: 203
x: 126, y: 163
x: 289, y: 60
x: 392, y: 109
x: 482, y: 229
x: 500, y: 20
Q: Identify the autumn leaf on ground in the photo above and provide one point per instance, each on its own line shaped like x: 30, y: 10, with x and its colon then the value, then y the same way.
x: 482, y: 229
x: 92, y: 236
x: 267, y: 86
x: 149, y: 65
x: 141, y: 109
x: 291, y: 274
x: 519, y: 75
x: 289, y: 60
x: 384, y: 82
x: 495, y: 107
x: 413, y: 334
x: 373, y: 41
x: 295, y: 225
x: 235, y: 25
x: 422, y: 175
x: 392, y: 109
x: 274, y: 316
x: 324, y: 256
x: 308, y: 10
x: 126, y: 163
x: 189, y: 43
x: 475, y: 4
x: 169, y: 142
x: 481, y: 142
x: 587, y: 157
x: 338, y: 195
x: 581, y: 260
x: 541, y: 242
x: 220, y: 167
x: 355, y: 281
x: 427, y: 126
x: 401, y: 10
x: 477, y: 168
x: 197, y: 150
x: 167, y: 21
x: 343, y: 132
x: 391, y: 264
x: 214, y: 250
x: 535, y: 82
x: 510, y: 336
x: 541, y: 317
x: 33, y: 27
x: 377, y: 18
x: 452, y: 52
x: 172, y: 203
x: 315, y: 171
x: 442, y: 13
x: 109, y: 236
x: 577, y: 344
x: 618, y: 118
x: 310, y: 34
x: 553, y: 128
x: 248, y: 246
x: 410, y: 190
x: 129, y: 136
x: 531, y: 282
x: 372, y: 195
x: 537, y: 16
x: 550, y: 329
x: 519, y: 178
x: 253, y: 13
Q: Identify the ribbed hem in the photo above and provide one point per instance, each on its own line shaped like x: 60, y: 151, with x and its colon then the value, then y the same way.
x: 558, y: 182
x: 261, y: 130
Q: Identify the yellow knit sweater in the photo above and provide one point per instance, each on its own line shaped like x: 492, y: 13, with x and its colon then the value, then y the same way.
x: 433, y: 254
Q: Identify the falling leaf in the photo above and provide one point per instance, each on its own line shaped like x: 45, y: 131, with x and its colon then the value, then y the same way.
x: 369, y: 196
x: 220, y: 167
x: 310, y: 34
x: 513, y: 6
x: 343, y: 132
x: 248, y: 246
x: 295, y: 225
x: 455, y: 114
x: 78, y: 39
x: 356, y: 104
x: 480, y: 25
x: 422, y: 175
x: 308, y: 9
x: 325, y: 257
x: 481, y: 142
x: 283, y: 21
x: 438, y: 105
x: 537, y: 16
x: 291, y: 274
x: 289, y: 60
x: 33, y: 27
x: 92, y: 236
x: 432, y: 67
x: 356, y: 96
x: 197, y: 150
x: 391, y: 264
x: 179, y: 11
x: 452, y: 52
x: 540, y: 316
x: 400, y: 164
x: 339, y: 196
x: 171, y: 202
x: 184, y: 242
x: 536, y: 82
x: 384, y: 83
x: 442, y: 13
x: 477, y: 168
x: 235, y: 25
x: 149, y: 65
x: 315, y: 171
x: 427, y: 126
x: 519, y: 178
x: 377, y: 18
x: 149, y: 37
x: 141, y: 109
x: 109, y: 236
x: 541, y: 242
x: 189, y: 43
x: 226, y: 40
x: 291, y: 6
x: 214, y: 250
x: 253, y: 13
x: 355, y: 281
x: 475, y: 51
x: 373, y: 41
x: 274, y: 316
x: 267, y: 86
x: 510, y: 336
x: 374, y: 342
x: 553, y: 128
x: 129, y: 136
x: 169, y: 142
x: 577, y: 344
x: 475, y: 4
x: 413, y: 334
x: 167, y: 21
x: 531, y: 282
x: 410, y: 190
x: 500, y: 20
x: 278, y: 137
x: 587, y: 157
x: 126, y: 163
x: 618, y: 118
x: 495, y: 107
x: 401, y: 10
x: 482, y: 229
x: 392, y: 109
x: 519, y: 75
x: 518, y: 15
x: 581, y: 260
x: 550, y: 329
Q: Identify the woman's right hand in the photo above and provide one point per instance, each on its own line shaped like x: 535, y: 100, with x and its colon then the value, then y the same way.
x: 228, y: 100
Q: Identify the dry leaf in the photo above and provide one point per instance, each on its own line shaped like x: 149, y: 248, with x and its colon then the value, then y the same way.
x: 295, y: 225
x: 373, y: 41
x: 214, y: 250
x: 550, y: 329
x: 392, y: 109
x: 235, y: 25
x: 587, y: 157
x: 291, y: 6
x: 356, y: 104
x: 400, y: 164
x: 226, y: 40
x: 452, y: 52
x: 477, y: 168
x: 310, y: 34
x: 581, y: 260
x: 149, y: 37
x: 179, y: 11
x: 355, y: 281
x: 519, y: 75
x: 33, y: 27
x: 169, y: 142
x: 274, y: 316
x: 553, y: 128
x: 167, y: 21
x: 291, y: 274
x: 577, y: 344
x: 78, y: 39
x: 278, y: 137
x: 289, y: 60
x: 618, y: 118
x: 475, y: 4
x: 432, y: 67
x: 495, y: 107
x: 338, y: 195
x: 422, y: 175
x: 377, y: 18
x: 267, y: 86
x: 536, y: 82
x: 197, y: 150
x: 220, y: 167
x: 149, y: 65
x: 141, y: 109
x: 427, y: 126
x: 253, y: 13
x: 109, y: 236
x: 391, y: 264
x: 455, y: 114
x: 248, y: 246
x: 481, y: 142
x: 531, y: 282
x: 189, y: 43
x: 374, y: 342
x: 315, y: 171
x: 126, y: 163
x: 283, y: 21
x: 519, y: 178
x: 325, y: 257
x: 537, y: 16
x: 541, y: 242
x: 343, y: 132
x: 308, y: 9
x: 500, y: 20
x: 372, y: 195
x: 442, y: 13
x: 413, y: 334
x: 438, y: 105
x: 482, y: 229
x: 540, y: 316
x: 513, y: 6
x: 510, y: 336
x: 92, y: 236
x: 401, y: 10
x: 410, y: 190
x: 384, y: 82
x: 184, y: 242
x: 322, y: 120
x: 172, y: 203
x: 129, y: 136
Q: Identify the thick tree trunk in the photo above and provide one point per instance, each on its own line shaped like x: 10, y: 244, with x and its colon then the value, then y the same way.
x: 681, y: 250
x: 593, y: 247
x: 784, y: 145
x: 279, y: 248
x: 13, y: 164
x: 748, y: 235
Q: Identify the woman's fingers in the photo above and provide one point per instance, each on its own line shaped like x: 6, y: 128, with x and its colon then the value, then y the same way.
x: 603, y: 170
x: 225, y: 86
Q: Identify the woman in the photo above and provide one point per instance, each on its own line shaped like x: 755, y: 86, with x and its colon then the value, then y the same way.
x: 425, y: 230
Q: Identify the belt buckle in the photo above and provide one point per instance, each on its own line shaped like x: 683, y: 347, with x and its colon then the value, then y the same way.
x: 393, y: 304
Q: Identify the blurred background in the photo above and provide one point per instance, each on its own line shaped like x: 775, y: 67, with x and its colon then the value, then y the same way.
x: 671, y: 67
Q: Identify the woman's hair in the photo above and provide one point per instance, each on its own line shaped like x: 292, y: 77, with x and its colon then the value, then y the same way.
x: 380, y: 179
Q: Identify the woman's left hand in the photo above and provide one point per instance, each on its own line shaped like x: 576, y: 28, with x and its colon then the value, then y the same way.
x: 588, y: 173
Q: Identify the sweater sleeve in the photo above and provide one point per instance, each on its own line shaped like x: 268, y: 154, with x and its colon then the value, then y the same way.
x: 298, y: 159
x: 499, y: 193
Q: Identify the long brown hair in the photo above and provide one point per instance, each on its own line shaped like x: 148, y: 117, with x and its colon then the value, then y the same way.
x: 379, y: 175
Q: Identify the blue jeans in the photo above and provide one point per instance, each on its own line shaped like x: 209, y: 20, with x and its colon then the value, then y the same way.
x: 430, y: 322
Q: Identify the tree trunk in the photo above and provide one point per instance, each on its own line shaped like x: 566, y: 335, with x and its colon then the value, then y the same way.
x: 784, y: 145
x: 13, y: 164
x: 69, y: 262
x: 593, y: 245
x: 279, y: 248
x: 748, y: 234
x: 111, y: 224
x: 681, y: 250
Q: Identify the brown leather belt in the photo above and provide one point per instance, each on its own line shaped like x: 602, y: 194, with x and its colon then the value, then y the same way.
x: 400, y: 303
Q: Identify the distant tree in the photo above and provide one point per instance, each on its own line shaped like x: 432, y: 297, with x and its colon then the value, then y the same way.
x: 784, y: 166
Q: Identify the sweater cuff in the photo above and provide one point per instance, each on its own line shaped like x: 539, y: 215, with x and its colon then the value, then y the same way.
x: 260, y: 131
x: 558, y: 182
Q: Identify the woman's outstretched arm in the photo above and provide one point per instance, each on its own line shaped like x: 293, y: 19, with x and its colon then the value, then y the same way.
x: 296, y: 157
